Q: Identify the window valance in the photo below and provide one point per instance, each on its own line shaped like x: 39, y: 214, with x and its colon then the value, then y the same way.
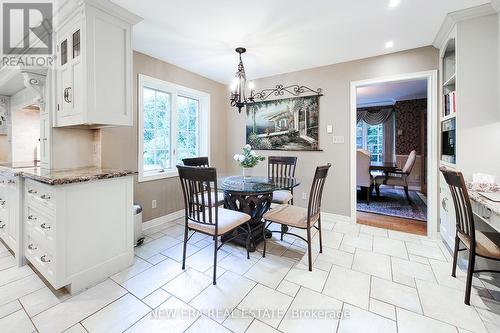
x: 374, y: 117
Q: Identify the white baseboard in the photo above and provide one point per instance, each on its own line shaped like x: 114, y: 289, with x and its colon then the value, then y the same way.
x: 180, y: 213
x: 162, y: 219
x: 336, y: 218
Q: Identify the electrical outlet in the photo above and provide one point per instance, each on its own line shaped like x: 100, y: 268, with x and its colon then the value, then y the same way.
x: 338, y: 139
x: 153, y: 204
x: 304, y: 196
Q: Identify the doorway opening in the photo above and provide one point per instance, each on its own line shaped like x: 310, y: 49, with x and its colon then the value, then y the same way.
x: 393, y: 142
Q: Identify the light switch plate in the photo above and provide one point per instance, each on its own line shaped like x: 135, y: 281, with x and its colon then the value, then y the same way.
x: 338, y: 139
x: 329, y: 129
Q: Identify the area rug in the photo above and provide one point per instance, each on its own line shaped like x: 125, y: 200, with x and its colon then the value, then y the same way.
x: 393, y: 202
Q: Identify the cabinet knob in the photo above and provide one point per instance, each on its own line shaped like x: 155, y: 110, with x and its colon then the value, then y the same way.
x: 44, y: 226
x: 32, y: 247
x: 44, y: 258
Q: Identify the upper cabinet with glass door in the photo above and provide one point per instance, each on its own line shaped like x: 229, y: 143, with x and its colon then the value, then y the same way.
x: 94, y: 64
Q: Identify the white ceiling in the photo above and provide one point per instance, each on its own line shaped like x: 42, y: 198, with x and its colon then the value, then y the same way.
x: 390, y: 92
x: 281, y: 35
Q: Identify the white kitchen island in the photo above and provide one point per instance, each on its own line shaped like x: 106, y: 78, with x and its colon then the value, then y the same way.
x: 75, y: 226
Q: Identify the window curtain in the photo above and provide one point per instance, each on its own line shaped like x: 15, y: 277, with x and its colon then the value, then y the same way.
x: 389, y: 139
x: 383, y: 116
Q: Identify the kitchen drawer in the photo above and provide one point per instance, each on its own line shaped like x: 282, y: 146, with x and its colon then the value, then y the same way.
x: 41, y: 225
x: 41, y: 194
x: 40, y: 257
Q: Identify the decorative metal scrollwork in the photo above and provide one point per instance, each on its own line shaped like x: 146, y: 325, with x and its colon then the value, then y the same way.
x: 280, y: 90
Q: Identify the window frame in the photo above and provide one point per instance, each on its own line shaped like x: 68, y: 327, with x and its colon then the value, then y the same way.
x: 174, y: 90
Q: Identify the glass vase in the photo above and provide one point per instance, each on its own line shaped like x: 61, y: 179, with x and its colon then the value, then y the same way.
x: 247, y: 173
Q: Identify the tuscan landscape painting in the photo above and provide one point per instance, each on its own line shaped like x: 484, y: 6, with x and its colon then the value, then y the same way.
x: 284, y: 124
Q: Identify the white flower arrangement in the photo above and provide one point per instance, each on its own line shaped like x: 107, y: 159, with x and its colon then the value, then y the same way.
x: 249, y: 158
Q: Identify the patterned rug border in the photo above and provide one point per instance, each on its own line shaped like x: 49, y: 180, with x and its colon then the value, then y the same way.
x: 417, y: 211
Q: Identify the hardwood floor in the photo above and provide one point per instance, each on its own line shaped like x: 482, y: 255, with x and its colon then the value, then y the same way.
x: 392, y: 223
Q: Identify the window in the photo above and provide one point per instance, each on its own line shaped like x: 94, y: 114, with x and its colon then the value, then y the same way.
x: 173, y: 124
x: 371, y: 138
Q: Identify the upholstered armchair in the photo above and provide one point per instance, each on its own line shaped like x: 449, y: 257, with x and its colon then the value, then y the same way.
x: 399, y: 177
x: 363, y: 177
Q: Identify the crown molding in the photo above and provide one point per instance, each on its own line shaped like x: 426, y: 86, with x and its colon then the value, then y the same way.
x: 496, y: 5
x: 466, y: 14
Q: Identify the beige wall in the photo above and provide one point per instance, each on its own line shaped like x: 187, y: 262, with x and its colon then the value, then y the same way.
x: 334, y: 110
x: 119, y: 145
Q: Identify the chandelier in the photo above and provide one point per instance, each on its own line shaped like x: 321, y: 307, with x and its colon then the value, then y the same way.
x: 238, y: 87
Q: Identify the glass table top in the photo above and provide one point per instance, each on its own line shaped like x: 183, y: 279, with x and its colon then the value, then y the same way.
x: 255, y: 184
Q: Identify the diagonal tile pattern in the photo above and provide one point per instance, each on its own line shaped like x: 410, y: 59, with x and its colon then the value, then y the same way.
x: 366, y: 280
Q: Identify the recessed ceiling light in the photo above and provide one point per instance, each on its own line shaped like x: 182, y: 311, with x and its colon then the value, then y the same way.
x: 394, y: 3
x: 389, y: 44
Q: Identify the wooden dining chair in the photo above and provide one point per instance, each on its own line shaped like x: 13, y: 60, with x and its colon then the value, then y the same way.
x: 203, y: 162
x: 299, y: 217
x: 282, y: 167
x: 478, y: 243
x: 196, y: 161
x: 201, y: 215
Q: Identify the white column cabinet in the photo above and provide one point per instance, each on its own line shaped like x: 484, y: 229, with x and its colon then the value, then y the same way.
x: 94, y: 65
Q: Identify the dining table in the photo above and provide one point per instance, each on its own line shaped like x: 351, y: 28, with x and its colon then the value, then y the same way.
x: 253, y: 196
x: 386, y: 167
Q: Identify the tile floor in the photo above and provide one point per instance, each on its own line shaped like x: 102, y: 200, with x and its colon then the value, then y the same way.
x: 367, y: 280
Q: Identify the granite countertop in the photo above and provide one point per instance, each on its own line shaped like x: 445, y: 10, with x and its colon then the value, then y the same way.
x: 66, y: 176
x: 477, y: 197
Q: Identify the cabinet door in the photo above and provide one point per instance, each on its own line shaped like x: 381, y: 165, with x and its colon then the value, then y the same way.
x: 70, y: 73
x: 65, y: 78
x: 76, y: 92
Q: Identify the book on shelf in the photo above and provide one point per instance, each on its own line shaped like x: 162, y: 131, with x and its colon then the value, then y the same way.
x: 449, y: 102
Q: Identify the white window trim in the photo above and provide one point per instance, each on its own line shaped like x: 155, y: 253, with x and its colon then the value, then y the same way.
x: 204, y: 123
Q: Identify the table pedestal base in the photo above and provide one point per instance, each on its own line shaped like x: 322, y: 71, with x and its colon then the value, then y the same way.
x: 255, y: 205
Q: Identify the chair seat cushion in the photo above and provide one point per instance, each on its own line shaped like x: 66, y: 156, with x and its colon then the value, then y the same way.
x: 390, y: 180
x: 282, y: 197
x: 216, y: 199
x: 227, y: 220
x: 487, y: 243
x: 293, y: 216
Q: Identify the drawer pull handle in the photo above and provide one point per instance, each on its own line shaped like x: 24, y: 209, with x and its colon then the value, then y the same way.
x: 45, y: 197
x: 32, y: 247
x: 11, y: 181
x: 2, y: 202
x: 31, y: 191
x: 2, y: 225
x: 32, y: 218
x: 44, y: 226
x: 44, y: 258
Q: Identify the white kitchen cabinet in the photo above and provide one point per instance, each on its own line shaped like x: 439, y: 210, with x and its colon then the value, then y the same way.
x: 10, y: 230
x: 94, y: 65
x: 78, y: 234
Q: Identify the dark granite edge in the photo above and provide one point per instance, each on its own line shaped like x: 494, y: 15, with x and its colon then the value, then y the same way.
x: 76, y: 179
x: 80, y: 175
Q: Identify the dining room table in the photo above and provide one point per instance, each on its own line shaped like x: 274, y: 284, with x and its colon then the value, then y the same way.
x: 253, y: 196
x: 385, y: 167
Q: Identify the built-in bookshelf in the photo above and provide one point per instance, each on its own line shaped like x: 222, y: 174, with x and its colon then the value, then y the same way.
x: 448, y: 103
x: 449, y: 107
